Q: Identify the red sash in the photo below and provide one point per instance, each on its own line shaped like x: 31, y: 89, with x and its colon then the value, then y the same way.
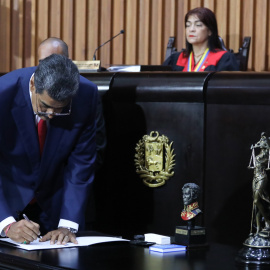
x: 211, y: 60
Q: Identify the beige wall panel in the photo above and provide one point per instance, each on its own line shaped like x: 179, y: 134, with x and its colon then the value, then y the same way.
x: 67, y: 25
x: 55, y: 19
x: 169, y: 28
x: 5, y: 33
x: 86, y: 24
x: 80, y: 30
x: 92, y: 28
x: 234, y: 24
x: 260, y: 35
x: 42, y: 20
x: 248, y: 26
x: 131, y: 32
x: 29, y: 41
x: 182, y: 9
x: 17, y: 35
x: 222, y: 19
x: 268, y: 40
x: 209, y: 4
x: 104, y: 53
x: 144, y: 32
x: 195, y: 4
x: 117, y: 45
x: 156, y: 50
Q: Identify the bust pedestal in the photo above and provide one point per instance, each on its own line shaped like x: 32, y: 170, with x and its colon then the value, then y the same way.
x: 190, y: 236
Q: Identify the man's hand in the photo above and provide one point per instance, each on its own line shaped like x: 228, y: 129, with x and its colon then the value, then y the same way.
x: 61, y: 236
x: 23, y: 231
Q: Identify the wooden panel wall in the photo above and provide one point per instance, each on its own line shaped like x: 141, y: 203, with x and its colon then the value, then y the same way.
x: 85, y: 24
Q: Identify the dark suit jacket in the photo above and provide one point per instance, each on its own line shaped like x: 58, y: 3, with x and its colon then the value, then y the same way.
x: 60, y: 180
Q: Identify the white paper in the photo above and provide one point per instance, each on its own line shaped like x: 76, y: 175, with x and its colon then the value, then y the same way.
x: 82, y: 241
x: 135, y: 68
x: 157, y: 238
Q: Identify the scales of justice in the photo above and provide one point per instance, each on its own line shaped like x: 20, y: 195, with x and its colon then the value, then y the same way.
x: 256, y: 249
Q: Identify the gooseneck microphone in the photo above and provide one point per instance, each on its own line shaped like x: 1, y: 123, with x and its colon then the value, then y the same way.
x: 94, y: 56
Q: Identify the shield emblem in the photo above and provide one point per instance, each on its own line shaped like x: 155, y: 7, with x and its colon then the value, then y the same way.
x: 154, y: 159
x: 154, y: 156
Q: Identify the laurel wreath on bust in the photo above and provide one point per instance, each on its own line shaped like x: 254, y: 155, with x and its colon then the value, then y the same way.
x: 154, y: 179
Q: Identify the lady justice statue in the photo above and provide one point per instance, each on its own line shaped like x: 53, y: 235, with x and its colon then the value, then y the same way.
x: 261, y: 199
x: 256, y: 248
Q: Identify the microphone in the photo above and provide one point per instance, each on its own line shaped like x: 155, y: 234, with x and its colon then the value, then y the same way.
x: 121, y: 32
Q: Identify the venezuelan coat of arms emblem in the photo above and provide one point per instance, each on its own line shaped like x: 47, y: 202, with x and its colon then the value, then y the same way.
x: 154, y: 159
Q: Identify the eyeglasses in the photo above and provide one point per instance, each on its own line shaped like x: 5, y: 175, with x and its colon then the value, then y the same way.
x: 40, y: 113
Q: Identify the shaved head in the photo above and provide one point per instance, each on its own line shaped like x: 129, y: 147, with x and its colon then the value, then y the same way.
x: 50, y: 46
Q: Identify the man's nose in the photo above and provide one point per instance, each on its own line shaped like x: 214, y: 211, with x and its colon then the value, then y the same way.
x: 50, y: 113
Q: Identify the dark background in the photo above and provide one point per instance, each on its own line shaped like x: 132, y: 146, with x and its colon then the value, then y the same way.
x: 212, y: 119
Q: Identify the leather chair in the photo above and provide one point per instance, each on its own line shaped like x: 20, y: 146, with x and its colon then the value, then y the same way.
x: 243, y: 54
x: 170, y: 47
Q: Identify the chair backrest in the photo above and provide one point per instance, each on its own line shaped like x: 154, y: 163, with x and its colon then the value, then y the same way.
x: 222, y: 44
x: 170, y: 47
x: 243, y: 53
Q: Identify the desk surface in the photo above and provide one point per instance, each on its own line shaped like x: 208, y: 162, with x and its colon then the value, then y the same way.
x: 118, y: 256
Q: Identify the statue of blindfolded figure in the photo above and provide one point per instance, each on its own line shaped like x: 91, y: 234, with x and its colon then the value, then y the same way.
x: 256, y: 249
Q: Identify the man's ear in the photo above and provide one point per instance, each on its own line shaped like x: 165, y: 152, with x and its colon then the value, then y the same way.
x: 32, y: 84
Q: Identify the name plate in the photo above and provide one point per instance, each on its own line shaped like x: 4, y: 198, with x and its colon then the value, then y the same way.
x: 93, y: 65
x: 192, y: 232
x: 181, y: 231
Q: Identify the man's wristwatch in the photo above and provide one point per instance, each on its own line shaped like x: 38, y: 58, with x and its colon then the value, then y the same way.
x: 72, y: 230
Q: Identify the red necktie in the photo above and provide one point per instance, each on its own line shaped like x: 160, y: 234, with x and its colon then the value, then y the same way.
x: 42, y: 130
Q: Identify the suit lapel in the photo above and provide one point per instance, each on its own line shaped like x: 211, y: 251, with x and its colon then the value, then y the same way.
x: 24, y: 118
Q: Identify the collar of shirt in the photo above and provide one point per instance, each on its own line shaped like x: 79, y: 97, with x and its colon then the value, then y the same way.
x: 37, y: 118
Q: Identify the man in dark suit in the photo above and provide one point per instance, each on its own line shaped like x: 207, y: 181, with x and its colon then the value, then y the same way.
x: 56, y: 179
x: 56, y: 45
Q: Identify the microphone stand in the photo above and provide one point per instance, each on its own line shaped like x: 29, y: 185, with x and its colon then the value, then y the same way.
x: 94, y: 56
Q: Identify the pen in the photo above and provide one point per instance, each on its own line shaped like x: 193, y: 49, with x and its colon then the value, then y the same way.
x: 25, y: 217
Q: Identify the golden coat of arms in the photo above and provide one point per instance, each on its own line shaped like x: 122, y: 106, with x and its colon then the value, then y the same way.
x: 154, y: 159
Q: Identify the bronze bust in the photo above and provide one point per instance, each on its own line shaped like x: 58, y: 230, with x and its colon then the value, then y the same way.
x: 190, y: 192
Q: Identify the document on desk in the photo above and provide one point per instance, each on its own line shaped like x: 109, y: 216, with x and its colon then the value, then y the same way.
x: 82, y: 241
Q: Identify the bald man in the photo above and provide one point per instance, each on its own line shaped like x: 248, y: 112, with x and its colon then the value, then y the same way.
x: 54, y: 45
x: 50, y: 46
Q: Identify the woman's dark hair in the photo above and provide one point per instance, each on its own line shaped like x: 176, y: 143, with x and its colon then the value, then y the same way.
x: 208, y: 18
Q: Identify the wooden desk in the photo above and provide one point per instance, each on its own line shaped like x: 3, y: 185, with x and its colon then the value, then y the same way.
x: 117, y: 256
x: 112, y: 256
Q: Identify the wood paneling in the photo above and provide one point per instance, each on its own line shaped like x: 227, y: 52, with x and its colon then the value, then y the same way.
x: 55, y: 19
x: 118, y: 48
x: 144, y: 32
x: 131, y: 32
x: 5, y: 35
x: 260, y: 35
x: 85, y: 24
x: 67, y: 31
x: 17, y: 34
